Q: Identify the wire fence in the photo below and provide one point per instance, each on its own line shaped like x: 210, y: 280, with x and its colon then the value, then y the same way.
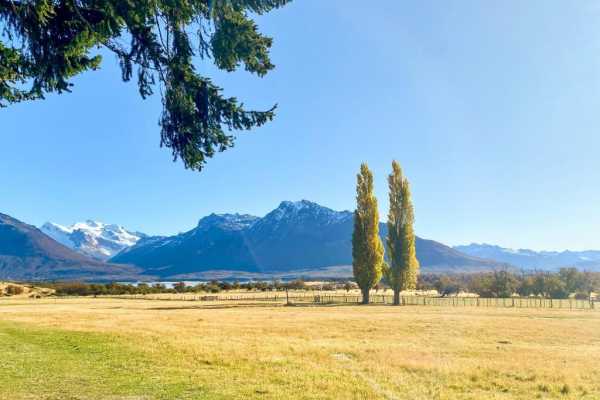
x: 514, y: 302
x: 320, y: 298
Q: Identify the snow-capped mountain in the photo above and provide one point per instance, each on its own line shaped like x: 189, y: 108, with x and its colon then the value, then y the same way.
x: 531, y: 259
x: 92, y: 238
x: 28, y: 254
x: 303, y: 209
x: 233, y: 222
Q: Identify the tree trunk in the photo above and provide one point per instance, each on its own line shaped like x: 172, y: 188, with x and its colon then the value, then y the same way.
x: 365, y: 295
x: 396, y: 297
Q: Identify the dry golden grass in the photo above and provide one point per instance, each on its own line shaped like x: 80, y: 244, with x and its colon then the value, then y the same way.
x: 344, y: 352
x: 26, y: 290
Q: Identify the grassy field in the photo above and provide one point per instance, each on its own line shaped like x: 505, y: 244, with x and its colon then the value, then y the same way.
x: 139, y: 349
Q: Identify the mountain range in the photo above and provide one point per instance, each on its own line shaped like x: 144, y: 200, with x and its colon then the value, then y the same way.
x: 91, y: 238
x: 529, y: 259
x: 296, y: 236
x: 296, y: 239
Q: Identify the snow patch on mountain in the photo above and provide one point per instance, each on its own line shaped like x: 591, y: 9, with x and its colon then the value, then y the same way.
x: 93, y: 238
x: 234, y: 222
x: 303, y: 209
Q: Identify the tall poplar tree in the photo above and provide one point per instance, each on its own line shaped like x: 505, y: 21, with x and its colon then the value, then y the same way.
x: 367, y: 248
x: 403, y: 264
x: 165, y: 44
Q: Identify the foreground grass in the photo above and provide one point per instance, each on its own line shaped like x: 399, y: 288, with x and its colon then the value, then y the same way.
x: 55, y: 364
x: 113, y: 349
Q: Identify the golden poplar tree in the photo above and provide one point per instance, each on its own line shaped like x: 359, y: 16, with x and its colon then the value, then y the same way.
x: 403, y: 264
x: 367, y: 248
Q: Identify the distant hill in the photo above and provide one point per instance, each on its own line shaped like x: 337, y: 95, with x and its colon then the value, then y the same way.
x: 92, y: 238
x: 529, y: 259
x: 435, y: 256
x: 295, y: 236
x: 28, y: 254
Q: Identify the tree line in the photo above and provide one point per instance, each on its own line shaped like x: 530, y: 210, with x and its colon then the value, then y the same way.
x: 113, y: 288
x: 567, y: 282
x: 369, y: 266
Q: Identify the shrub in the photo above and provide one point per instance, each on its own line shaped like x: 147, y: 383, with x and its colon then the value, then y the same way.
x: 213, y: 288
x: 582, y: 296
x: 297, y: 284
x: 447, y: 285
x: 12, y: 290
x: 179, y: 287
x: 72, y: 289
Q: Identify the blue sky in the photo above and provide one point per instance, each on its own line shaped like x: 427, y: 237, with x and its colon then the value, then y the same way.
x: 492, y: 108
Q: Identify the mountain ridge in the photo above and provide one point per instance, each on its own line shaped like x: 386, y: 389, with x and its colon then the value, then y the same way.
x: 295, y: 239
x: 531, y: 259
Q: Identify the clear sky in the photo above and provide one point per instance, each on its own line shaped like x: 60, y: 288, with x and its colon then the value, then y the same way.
x: 492, y: 108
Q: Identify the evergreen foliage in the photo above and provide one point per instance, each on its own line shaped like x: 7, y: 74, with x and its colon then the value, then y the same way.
x: 403, y: 264
x: 367, y: 248
x: 45, y: 43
